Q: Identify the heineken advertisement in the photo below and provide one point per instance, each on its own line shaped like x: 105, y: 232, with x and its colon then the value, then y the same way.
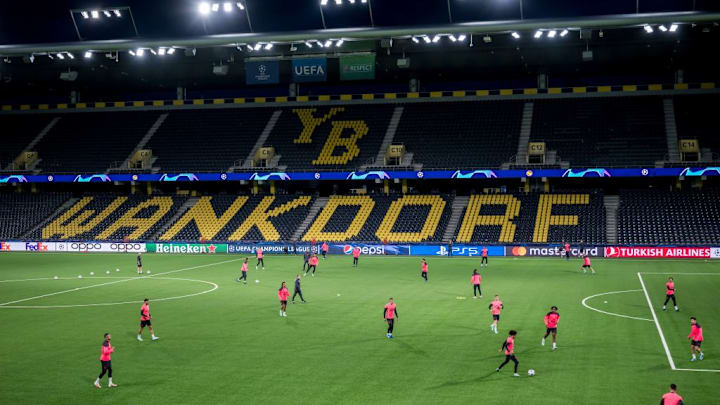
x: 193, y: 248
x: 357, y: 67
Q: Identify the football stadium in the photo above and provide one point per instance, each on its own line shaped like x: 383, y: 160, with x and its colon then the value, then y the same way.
x: 211, y: 202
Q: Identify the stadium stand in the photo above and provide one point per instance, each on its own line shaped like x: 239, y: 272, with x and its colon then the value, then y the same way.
x: 18, y: 132
x: 106, y: 216
x: 19, y: 212
x: 612, y: 131
x: 661, y: 217
x: 92, y: 142
x: 410, y: 218
x: 232, y: 217
x: 207, y: 139
x: 697, y: 118
x: 533, y: 218
x: 319, y: 138
x: 482, y: 133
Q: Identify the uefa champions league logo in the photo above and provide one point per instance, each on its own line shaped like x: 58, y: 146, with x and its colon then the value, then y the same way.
x: 262, y: 69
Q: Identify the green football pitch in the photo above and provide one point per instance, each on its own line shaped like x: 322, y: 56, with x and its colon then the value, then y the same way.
x: 223, y: 342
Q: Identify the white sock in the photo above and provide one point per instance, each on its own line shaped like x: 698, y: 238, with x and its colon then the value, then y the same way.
x: 554, y: 345
x: 153, y: 335
x: 693, y: 355
x: 109, y: 381
x: 97, y: 381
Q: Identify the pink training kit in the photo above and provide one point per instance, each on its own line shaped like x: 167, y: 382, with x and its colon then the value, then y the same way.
x: 670, y: 287
x: 696, y: 333
x: 587, y: 260
x: 283, y: 294
x: 244, y: 267
x: 551, y: 319
x: 510, y: 345
x: 671, y: 398
x: 390, y: 310
x: 145, y: 312
x: 325, y: 247
x: 106, y: 351
x: 356, y: 252
x: 476, y: 279
x: 484, y: 252
x: 259, y: 253
x: 496, y: 307
x: 424, y: 267
x: 313, y: 261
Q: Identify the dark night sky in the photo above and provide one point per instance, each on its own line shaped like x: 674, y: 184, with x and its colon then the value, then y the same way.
x: 49, y: 21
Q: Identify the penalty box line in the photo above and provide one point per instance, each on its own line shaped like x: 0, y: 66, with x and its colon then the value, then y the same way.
x: 118, y: 281
x: 659, y: 328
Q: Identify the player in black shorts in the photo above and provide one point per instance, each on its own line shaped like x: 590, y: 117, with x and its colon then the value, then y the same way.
x: 306, y: 257
x: 139, y: 263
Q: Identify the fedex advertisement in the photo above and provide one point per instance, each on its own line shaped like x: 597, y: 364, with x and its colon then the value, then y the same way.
x: 661, y: 252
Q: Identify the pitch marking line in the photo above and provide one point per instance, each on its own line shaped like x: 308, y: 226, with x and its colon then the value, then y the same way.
x: 214, y: 287
x: 115, y: 282
x: 657, y: 324
x: 612, y: 313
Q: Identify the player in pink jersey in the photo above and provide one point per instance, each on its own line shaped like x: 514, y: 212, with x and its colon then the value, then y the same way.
x: 283, y: 295
x: 586, y: 264
x: 324, y: 249
x: 259, y: 254
x: 145, y: 320
x: 475, y: 280
x: 484, y: 253
x: 105, y: 351
x: 566, y: 248
x: 495, y: 307
x: 670, y: 293
x: 696, y: 338
x: 509, y: 348
x: 551, y: 321
x: 389, y: 315
x: 244, y: 270
x: 424, y: 270
x: 356, y: 255
x: 312, y: 265
x: 672, y: 397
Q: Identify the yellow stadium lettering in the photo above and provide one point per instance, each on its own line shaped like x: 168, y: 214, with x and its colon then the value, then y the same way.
x: 430, y: 224
x: 207, y: 222
x: 67, y: 227
x: 544, y: 218
x: 261, y: 215
x: 317, y: 229
x: 335, y: 140
x: 473, y: 219
x: 139, y: 225
x: 310, y: 122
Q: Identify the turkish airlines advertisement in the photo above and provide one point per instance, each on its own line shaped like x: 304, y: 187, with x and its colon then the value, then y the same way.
x: 659, y: 252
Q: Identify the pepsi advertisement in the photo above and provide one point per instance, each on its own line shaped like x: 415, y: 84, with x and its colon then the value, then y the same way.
x: 370, y: 249
x: 309, y: 70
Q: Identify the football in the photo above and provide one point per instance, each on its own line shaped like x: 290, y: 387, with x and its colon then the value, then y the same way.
x: 531, y: 373
x: 257, y: 281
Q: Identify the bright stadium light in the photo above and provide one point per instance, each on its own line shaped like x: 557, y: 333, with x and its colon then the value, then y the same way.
x: 107, y: 13
x: 85, y: 14
x: 338, y: 2
x: 452, y: 38
x: 436, y: 38
x: 95, y: 14
x: 88, y: 55
x: 673, y: 27
x: 268, y: 47
x: 161, y: 51
x: 538, y: 34
x: 462, y: 37
x: 50, y: 56
x: 257, y: 47
x: 323, y: 2
x: 328, y: 43
x: 215, y: 7
x: 663, y: 28
x: 71, y: 56
x: 515, y: 35
x: 308, y: 44
x: 171, y: 51
x: 60, y: 56
x: 117, y: 13
x: 140, y: 52
x: 563, y: 33
x: 240, y: 5
x: 363, y: 1
x: 414, y: 39
x: 426, y: 39
x: 204, y: 8
x: 352, y: 1
x: 131, y: 52
x: 339, y: 43
x: 648, y: 29
x: 227, y: 7
x: 152, y: 51
x: 552, y: 33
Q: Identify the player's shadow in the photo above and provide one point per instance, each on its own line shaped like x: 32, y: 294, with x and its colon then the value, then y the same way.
x: 454, y: 383
x: 410, y: 348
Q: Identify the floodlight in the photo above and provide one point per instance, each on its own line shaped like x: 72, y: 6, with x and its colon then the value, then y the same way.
x: 436, y: 38
x: 328, y: 43
x: 215, y: 7
x: 88, y: 54
x: 71, y: 56
x: 338, y: 2
x: 171, y: 51
x: 515, y: 35
x: 107, y: 13
x: 663, y: 28
x: 95, y: 14
x: 648, y: 29
x: 538, y: 34
x: 563, y: 33
x: 50, y: 56
x: 673, y: 27
x: 308, y: 44
x: 452, y: 38
x: 117, y: 13
x: 323, y: 2
x: 161, y: 51
x: 85, y: 14
x: 227, y: 7
x: 426, y: 39
x: 258, y: 46
x: 414, y: 39
x: 339, y: 43
x: 140, y: 52
x: 268, y: 47
x: 60, y: 56
x: 131, y: 52
x: 240, y: 5
x: 204, y: 8
x: 152, y: 51
x: 462, y: 37
x: 552, y: 33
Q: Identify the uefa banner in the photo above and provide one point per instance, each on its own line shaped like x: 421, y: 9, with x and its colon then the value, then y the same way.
x: 370, y: 249
x: 550, y: 251
x: 191, y: 248
x: 660, y: 252
x: 357, y: 67
x: 267, y: 247
x: 266, y: 72
x: 715, y: 253
x: 309, y: 70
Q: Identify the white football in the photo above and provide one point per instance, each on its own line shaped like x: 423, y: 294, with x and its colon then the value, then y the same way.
x: 55, y: 278
x: 531, y: 373
x: 107, y: 272
x: 92, y: 273
x: 79, y: 276
x: 117, y: 269
x: 148, y: 272
x: 338, y: 295
x: 257, y: 281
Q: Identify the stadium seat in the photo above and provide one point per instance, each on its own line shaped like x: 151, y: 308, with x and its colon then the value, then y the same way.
x: 19, y: 212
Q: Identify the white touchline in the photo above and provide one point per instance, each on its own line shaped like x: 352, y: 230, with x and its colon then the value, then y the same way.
x: 657, y: 324
x: 697, y: 369
x: 118, y: 281
x: 583, y: 302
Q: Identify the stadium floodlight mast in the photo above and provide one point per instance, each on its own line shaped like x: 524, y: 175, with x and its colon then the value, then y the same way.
x: 96, y: 14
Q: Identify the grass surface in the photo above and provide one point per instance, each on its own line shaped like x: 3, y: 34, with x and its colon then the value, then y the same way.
x: 230, y: 346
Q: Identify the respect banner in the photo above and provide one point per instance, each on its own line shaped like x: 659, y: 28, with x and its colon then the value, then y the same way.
x: 357, y: 67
